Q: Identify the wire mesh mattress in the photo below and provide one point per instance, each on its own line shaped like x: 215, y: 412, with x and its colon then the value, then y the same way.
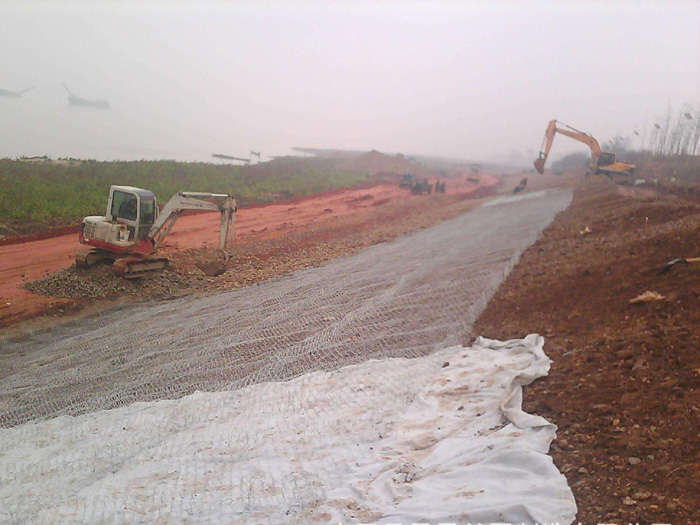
x: 407, y: 298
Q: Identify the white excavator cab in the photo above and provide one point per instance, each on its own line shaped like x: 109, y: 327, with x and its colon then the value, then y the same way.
x: 134, y: 207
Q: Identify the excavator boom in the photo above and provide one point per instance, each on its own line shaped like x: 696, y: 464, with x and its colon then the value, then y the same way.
x: 601, y: 162
x: 546, y: 146
x: 569, y: 131
x: 222, y: 202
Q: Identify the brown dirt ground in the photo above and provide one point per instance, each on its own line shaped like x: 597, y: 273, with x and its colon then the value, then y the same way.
x: 624, y: 387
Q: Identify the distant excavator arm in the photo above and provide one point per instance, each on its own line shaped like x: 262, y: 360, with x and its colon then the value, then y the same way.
x: 563, y: 129
x: 70, y: 93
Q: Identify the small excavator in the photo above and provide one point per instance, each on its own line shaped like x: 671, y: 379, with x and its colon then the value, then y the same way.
x: 134, y: 228
x: 602, y: 162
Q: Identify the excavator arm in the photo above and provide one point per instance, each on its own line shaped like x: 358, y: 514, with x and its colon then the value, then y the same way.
x: 563, y: 129
x: 222, y: 202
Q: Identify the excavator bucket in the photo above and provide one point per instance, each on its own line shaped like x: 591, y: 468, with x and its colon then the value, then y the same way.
x: 539, y: 165
x: 215, y: 264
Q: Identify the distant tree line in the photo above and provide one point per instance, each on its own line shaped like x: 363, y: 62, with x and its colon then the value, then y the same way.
x: 679, y: 135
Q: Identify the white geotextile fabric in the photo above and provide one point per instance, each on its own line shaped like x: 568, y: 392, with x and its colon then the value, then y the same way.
x: 387, y: 441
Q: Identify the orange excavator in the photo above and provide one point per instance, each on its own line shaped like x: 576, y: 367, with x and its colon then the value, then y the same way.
x: 602, y: 162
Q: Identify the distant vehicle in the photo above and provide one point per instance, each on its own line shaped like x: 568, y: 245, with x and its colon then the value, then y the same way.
x: 84, y: 102
x: 13, y: 94
x: 406, y: 180
x: 520, y: 187
x: 419, y: 188
x: 475, y: 168
x: 602, y: 162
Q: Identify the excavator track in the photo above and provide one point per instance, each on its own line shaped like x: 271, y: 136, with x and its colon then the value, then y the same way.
x: 134, y: 267
x: 86, y: 258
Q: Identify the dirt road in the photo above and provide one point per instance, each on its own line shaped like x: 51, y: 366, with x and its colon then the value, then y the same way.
x: 256, y: 227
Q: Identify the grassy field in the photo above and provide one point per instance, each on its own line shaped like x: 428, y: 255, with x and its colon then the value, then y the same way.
x: 44, y: 195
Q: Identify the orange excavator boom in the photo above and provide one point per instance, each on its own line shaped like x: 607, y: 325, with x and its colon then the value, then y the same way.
x: 552, y: 129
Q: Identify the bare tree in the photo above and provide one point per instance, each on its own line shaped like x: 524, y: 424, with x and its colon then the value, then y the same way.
x: 618, y: 145
x: 695, y: 139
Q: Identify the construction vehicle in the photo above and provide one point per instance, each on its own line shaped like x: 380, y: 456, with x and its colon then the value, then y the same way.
x: 406, y: 180
x: 14, y: 94
x: 602, y: 162
x: 74, y: 100
x: 521, y: 185
x: 419, y: 188
x: 133, y: 229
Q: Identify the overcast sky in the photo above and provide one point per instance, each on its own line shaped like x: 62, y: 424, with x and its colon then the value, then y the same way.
x: 463, y: 79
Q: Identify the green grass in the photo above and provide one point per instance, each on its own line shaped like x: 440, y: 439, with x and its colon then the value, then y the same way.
x: 35, y: 197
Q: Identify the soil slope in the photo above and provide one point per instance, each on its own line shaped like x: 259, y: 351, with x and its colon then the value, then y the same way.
x: 374, y: 162
x: 624, y: 387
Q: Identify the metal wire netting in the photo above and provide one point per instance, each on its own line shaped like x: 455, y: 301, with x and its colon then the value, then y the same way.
x: 406, y: 298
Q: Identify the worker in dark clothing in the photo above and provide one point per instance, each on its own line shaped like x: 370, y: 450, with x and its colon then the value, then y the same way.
x: 127, y: 209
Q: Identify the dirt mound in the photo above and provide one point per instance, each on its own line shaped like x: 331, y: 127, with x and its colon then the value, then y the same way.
x: 375, y: 163
x: 99, y: 282
x: 675, y: 171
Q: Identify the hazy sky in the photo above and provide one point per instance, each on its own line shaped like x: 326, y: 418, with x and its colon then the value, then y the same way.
x: 459, y: 79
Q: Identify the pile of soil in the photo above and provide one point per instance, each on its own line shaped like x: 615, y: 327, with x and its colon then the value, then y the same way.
x: 375, y: 162
x: 100, y: 282
x: 624, y: 387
